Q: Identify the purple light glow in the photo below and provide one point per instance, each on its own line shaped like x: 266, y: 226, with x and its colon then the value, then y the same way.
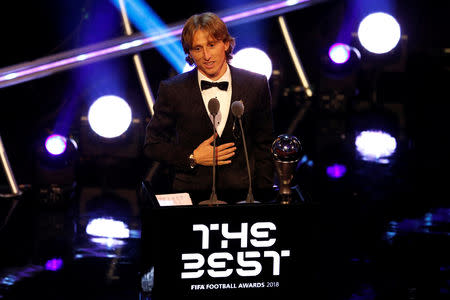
x: 336, y: 171
x: 54, y: 264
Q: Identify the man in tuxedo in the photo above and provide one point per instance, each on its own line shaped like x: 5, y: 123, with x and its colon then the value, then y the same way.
x: 180, y: 133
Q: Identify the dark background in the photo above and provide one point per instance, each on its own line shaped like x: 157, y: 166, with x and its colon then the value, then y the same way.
x: 412, y: 101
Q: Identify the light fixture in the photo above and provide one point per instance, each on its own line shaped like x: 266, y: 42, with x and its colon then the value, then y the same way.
x: 253, y: 59
x: 55, y: 144
x: 375, y: 145
x: 339, y: 53
x: 109, y: 116
x: 108, y: 228
x: 379, y: 33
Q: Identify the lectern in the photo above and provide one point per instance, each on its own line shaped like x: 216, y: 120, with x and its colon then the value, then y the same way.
x: 266, y: 251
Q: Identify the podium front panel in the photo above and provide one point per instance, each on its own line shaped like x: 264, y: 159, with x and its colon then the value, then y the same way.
x: 263, y: 250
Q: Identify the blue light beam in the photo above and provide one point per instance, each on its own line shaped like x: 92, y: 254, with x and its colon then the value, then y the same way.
x: 147, y: 21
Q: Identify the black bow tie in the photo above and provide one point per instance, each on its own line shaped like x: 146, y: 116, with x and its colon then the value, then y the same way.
x: 223, y: 85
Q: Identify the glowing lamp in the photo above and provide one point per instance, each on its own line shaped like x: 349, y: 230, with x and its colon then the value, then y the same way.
x: 379, y: 33
x: 339, y: 53
x: 253, y: 59
x: 109, y: 116
x: 56, y: 144
x: 375, y: 145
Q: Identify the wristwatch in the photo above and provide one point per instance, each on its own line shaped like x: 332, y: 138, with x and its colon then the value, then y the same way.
x: 192, y: 162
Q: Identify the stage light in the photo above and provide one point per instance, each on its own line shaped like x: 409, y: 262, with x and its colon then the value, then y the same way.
x: 253, y: 59
x: 54, y: 264
x: 375, y: 145
x: 55, y: 160
x: 109, y: 116
x: 336, y: 170
x: 56, y: 144
x: 379, y: 33
x: 108, y: 228
x: 340, y: 64
x: 339, y: 53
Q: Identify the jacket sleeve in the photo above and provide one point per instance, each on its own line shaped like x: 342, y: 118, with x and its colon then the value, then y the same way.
x: 160, y: 138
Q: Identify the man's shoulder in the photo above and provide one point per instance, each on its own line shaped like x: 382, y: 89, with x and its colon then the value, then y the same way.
x: 179, y: 79
x: 246, y: 73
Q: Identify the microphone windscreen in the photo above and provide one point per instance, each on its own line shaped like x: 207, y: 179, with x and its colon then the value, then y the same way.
x: 213, y: 106
x: 237, y: 108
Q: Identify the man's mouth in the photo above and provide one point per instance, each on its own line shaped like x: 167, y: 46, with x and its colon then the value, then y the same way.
x: 209, y: 63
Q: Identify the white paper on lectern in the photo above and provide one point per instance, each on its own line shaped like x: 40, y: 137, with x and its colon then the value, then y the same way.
x: 174, y: 199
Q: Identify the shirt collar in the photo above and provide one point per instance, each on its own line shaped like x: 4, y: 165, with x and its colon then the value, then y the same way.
x: 225, y: 77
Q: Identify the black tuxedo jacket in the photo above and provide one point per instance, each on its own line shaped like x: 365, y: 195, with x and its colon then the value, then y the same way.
x: 181, y: 122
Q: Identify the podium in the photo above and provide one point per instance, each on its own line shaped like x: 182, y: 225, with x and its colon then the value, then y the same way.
x: 268, y: 251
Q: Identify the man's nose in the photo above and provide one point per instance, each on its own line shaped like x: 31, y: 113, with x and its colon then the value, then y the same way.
x: 206, y: 53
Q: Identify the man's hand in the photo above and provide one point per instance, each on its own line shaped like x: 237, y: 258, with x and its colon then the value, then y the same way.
x: 203, y: 154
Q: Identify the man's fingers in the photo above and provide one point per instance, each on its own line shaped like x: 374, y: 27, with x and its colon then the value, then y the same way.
x: 225, y: 157
x: 226, y: 151
x: 224, y: 146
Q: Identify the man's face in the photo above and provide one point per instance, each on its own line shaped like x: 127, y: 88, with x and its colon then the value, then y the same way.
x: 209, y: 54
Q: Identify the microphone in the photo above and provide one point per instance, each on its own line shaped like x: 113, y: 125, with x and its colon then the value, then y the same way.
x: 213, y: 107
x: 237, y: 108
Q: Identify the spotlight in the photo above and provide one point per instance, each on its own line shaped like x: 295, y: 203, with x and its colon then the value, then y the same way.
x: 342, y: 60
x: 109, y: 116
x: 56, y: 144
x: 379, y: 33
x: 55, y: 161
x: 339, y: 53
x: 375, y: 145
x: 253, y: 59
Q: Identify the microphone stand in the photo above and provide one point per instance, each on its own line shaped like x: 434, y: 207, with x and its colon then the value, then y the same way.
x: 250, y: 198
x: 213, y: 198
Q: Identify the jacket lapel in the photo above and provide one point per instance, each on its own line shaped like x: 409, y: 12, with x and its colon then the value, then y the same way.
x: 194, y: 103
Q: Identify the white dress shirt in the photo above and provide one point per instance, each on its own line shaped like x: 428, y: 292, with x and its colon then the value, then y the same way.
x: 224, y: 98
